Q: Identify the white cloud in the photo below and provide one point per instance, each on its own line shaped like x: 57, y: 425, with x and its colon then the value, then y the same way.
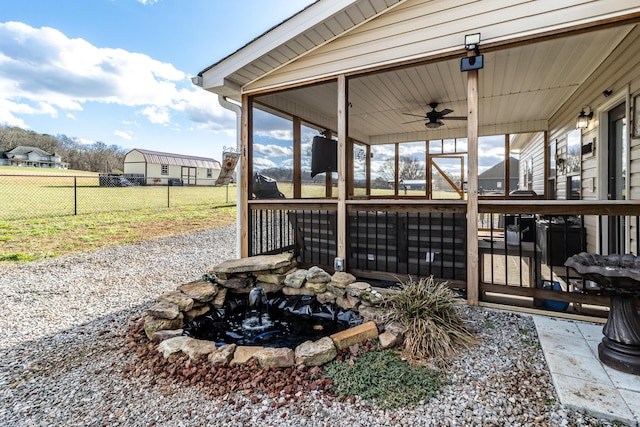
x: 43, y: 72
x: 157, y: 115
x: 124, y: 134
x: 282, y: 134
x: 272, y: 150
x: 383, y: 152
x: 260, y: 163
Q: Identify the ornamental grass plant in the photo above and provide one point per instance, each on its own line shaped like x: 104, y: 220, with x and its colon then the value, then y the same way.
x: 434, y: 326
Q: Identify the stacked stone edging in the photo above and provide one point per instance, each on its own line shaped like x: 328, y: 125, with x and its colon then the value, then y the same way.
x: 273, y: 273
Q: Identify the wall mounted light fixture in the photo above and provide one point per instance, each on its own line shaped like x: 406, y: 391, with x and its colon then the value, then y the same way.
x: 560, y: 161
x: 475, y: 62
x: 583, y: 118
x: 471, y: 42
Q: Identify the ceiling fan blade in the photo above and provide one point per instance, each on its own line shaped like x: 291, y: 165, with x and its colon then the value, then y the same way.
x: 455, y: 118
x: 445, y: 112
x: 414, y: 115
x: 413, y: 121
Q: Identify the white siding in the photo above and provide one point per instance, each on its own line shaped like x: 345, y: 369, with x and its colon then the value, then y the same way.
x: 534, y: 150
x: 138, y: 168
x: 620, y: 73
x: 134, y: 163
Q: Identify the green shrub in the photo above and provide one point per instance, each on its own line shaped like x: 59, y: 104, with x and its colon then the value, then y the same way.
x: 434, y: 326
x: 382, y: 377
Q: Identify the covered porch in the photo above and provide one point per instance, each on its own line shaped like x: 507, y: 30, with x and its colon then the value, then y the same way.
x: 416, y: 134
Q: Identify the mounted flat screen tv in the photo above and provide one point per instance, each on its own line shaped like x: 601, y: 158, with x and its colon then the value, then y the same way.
x: 324, y: 155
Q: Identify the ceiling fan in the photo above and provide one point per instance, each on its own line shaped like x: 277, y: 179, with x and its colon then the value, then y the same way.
x: 434, y: 118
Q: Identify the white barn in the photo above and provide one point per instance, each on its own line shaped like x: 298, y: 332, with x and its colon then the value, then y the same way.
x: 159, y: 168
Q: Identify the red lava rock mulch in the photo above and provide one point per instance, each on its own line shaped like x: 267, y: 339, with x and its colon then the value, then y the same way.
x: 221, y: 379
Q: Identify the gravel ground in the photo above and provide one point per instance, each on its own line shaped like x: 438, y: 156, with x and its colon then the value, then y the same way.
x: 64, y: 323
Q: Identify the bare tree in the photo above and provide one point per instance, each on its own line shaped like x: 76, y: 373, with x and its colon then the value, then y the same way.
x: 408, y: 168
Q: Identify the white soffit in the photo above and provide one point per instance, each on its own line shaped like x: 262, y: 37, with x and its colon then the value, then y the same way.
x: 417, y: 30
x: 314, y: 26
x: 521, y: 88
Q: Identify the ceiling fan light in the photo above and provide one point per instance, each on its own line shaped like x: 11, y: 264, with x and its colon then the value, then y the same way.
x: 433, y: 125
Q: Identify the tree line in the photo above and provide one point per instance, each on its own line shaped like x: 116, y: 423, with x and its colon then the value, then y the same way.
x: 95, y: 157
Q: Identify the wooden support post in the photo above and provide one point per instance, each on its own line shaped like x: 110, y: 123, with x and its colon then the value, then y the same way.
x: 247, y: 171
x: 396, y: 172
x: 349, y: 163
x: 342, y: 166
x: 328, y: 183
x: 297, y: 158
x: 427, y: 170
x: 473, y: 285
x: 547, y: 162
x: 507, y: 165
x: 368, y: 167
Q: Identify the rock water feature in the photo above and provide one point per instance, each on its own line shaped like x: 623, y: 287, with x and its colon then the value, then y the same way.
x: 266, y: 308
x: 619, y: 277
x: 274, y: 321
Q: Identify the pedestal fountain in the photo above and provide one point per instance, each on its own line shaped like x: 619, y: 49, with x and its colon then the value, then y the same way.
x: 619, y: 277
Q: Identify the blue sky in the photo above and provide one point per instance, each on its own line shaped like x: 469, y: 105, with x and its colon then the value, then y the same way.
x: 118, y: 71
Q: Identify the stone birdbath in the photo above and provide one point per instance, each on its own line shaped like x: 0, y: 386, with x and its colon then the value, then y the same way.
x: 619, y: 277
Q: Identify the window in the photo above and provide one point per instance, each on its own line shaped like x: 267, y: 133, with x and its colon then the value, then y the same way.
x: 573, y: 155
x: 273, y: 148
x: 209, y: 173
x: 164, y: 169
x: 383, y: 169
x: 574, y: 187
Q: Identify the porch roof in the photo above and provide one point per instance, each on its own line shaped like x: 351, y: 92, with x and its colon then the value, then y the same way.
x: 314, y: 26
x: 529, y: 72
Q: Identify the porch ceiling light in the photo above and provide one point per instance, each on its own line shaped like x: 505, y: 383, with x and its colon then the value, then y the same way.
x: 583, y: 118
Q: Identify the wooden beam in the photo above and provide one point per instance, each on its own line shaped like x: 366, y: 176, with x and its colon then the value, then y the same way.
x: 343, y: 130
x: 472, y: 188
x: 247, y: 171
x: 297, y: 158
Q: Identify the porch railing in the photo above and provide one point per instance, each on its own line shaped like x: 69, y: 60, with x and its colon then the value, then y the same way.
x: 306, y: 228
x: 393, y: 239
x: 390, y: 239
x: 523, y: 247
x: 385, y: 240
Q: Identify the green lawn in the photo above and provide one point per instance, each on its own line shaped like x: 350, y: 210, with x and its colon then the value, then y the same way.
x: 31, y: 196
x: 33, y: 239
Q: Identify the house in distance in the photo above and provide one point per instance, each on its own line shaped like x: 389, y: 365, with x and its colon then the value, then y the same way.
x: 174, y: 169
x: 32, y: 157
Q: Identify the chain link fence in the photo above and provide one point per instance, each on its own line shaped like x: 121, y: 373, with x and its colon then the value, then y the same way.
x: 37, y: 196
